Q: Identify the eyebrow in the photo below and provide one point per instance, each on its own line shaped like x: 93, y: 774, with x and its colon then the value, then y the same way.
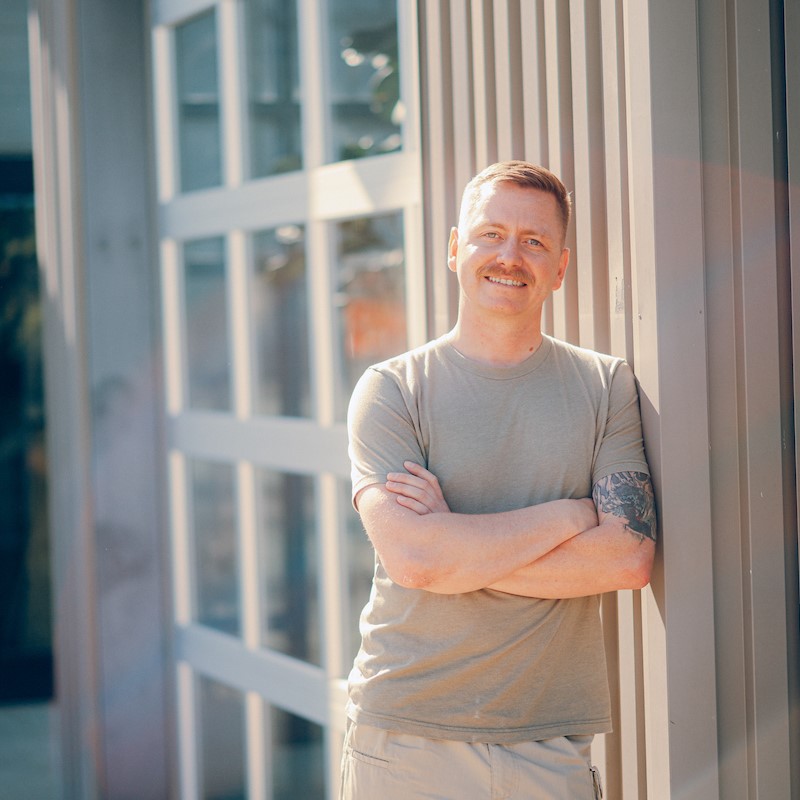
x: 541, y: 233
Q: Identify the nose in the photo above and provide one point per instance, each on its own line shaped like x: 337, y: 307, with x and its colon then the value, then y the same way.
x: 509, y: 253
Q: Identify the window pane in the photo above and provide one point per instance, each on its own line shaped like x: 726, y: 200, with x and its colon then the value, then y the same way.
x: 366, y: 111
x: 297, y: 758
x: 207, y: 324
x: 215, y: 549
x: 370, y: 297
x: 198, y: 103
x: 360, y: 561
x: 280, y: 314
x: 221, y: 738
x: 288, y: 552
x: 275, y: 140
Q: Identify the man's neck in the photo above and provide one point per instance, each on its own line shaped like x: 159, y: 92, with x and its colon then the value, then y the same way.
x: 500, y: 345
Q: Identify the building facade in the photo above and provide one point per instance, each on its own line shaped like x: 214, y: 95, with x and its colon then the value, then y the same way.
x: 242, y: 203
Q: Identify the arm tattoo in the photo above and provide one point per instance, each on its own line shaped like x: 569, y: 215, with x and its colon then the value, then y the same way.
x: 628, y: 495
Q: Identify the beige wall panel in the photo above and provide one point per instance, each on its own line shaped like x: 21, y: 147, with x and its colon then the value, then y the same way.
x: 462, y: 93
x: 564, y: 315
x: 615, y: 150
x: 792, y: 66
x: 534, y: 82
x: 724, y: 438
x: 674, y: 255
x: 508, y: 79
x: 437, y: 159
x: 755, y: 260
x: 591, y: 254
x: 483, y: 83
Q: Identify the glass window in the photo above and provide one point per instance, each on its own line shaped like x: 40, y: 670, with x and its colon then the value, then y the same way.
x: 366, y: 109
x: 370, y: 297
x: 221, y: 741
x: 360, y: 565
x: 207, y: 324
x: 199, y: 132
x: 280, y: 320
x: 215, y: 546
x: 289, y: 565
x: 274, y: 89
x: 297, y: 757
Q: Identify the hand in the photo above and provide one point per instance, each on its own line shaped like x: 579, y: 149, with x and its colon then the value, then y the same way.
x: 418, y: 489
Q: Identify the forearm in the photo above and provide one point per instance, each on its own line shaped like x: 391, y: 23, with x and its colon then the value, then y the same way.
x: 455, y: 553
x: 606, y: 558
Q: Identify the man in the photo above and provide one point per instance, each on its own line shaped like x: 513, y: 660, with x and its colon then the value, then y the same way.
x: 482, y: 672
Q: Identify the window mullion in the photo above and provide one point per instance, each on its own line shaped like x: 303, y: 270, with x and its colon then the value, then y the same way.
x: 233, y: 98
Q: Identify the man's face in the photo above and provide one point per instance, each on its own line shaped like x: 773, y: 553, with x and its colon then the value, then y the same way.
x: 508, y: 251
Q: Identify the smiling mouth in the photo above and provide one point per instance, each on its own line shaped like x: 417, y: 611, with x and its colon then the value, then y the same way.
x: 504, y: 281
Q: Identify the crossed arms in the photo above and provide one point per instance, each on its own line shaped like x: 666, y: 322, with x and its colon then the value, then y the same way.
x: 558, y: 549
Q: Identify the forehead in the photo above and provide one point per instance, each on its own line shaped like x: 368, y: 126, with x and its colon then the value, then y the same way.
x: 504, y: 202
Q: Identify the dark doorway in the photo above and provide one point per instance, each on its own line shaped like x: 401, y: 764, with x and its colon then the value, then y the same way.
x: 26, y: 654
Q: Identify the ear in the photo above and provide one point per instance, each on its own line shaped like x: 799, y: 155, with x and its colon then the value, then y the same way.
x: 563, y: 263
x: 452, y: 249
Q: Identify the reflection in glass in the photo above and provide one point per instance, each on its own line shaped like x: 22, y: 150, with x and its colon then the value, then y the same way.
x: 289, y: 562
x: 367, y: 111
x: 221, y: 741
x: 272, y: 56
x: 370, y: 297
x: 297, y: 757
x: 207, y: 324
x: 280, y: 314
x: 198, y: 103
x: 215, y: 548
x: 360, y: 560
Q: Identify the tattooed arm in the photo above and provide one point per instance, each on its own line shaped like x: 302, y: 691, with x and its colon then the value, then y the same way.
x: 617, y: 554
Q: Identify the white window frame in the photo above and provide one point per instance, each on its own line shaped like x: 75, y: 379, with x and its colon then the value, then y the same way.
x: 317, y: 196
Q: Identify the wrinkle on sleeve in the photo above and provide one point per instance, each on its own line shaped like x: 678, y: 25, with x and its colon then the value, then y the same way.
x: 381, y: 432
x: 621, y: 448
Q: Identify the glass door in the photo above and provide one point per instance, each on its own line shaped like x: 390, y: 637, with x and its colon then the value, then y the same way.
x: 291, y: 258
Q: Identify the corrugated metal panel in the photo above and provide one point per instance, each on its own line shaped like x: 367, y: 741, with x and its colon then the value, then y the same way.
x: 667, y: 139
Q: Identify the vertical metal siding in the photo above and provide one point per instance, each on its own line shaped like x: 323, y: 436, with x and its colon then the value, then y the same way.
x: 791, y: 18
x: 666, y: 139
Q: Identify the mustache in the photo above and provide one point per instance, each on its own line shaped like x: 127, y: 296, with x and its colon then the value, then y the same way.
x: 494, y: 271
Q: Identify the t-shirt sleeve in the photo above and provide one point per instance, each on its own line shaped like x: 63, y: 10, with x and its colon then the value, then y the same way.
x: 621, y: 448
x: 381, y: 431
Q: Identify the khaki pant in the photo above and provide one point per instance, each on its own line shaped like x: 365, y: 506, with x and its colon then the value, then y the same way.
x: 381, y: 765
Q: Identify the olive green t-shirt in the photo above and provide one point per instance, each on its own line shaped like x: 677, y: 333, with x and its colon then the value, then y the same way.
x: 488, y: 666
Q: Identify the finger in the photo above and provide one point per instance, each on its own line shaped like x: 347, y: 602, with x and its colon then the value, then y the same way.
x: 414, y: 505
x: 418, y: 469
x: 425, y: 475
x: 409, y: 490
x: 405, y: 477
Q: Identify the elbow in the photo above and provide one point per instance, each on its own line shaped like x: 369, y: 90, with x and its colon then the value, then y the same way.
x: 409, y: 570
x: 640, y: 566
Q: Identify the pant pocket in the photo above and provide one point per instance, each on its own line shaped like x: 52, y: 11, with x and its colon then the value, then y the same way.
x: 596, y: 784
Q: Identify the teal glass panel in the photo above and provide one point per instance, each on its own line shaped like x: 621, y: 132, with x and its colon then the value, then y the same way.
x: 366, y: 108
x: 370, y: 297
x: 280, y: 317
x: 220, y: 735
x: 199, y: 125
x: 206, y: 333
x: 215, y: 546
x: 274, y: 88
x: 298, y: 766
x: 289, y: 565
